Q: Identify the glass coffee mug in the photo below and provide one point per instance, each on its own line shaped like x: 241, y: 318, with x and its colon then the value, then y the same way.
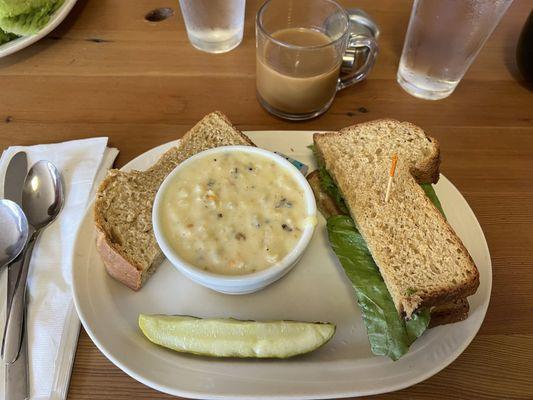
x: 307, y: 50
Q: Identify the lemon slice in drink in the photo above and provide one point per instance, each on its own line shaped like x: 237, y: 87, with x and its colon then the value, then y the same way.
x: 235, y: 338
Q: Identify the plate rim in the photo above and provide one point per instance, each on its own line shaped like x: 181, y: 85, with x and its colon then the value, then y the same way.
x: 22, y: 42
x: 304, y: 396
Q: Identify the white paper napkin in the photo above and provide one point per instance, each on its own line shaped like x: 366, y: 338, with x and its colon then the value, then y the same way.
x: 53, y: 324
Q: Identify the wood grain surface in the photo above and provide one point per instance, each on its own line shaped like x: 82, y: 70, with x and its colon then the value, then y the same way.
x: 107, y: 71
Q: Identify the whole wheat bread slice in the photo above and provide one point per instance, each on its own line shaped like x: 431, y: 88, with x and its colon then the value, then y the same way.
x: 123, y: 205
x: 422, y: 261
x: 448, y: 313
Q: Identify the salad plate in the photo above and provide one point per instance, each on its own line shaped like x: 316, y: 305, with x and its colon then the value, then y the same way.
x: 22, y: 42
x: 315, y: 290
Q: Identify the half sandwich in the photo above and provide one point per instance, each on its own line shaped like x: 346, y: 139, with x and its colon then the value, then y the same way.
x: 403, y: 258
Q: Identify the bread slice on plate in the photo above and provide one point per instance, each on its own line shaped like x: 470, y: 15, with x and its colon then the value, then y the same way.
x: 422, y: 261
x: 124, y: 200
x: 448, y: 313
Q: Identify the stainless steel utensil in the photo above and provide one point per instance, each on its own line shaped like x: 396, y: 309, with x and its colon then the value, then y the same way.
x: 42, y: 199
x: 14, y: 231
x: 16, y: 374
x: 15, y: 175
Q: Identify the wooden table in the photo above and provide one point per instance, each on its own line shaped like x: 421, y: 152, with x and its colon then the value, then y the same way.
x: 107, y: 71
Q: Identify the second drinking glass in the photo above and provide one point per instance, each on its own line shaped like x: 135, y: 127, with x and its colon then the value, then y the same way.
x: 443, y: 39
x: 214, y: 26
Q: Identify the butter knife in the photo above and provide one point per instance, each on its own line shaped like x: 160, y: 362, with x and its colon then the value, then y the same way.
x: 16, y: 375
x: 15, y: 175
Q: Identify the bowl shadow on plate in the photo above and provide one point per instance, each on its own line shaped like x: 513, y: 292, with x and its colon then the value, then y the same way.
x: 48, y: 41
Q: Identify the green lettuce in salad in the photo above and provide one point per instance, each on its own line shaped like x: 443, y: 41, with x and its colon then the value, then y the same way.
x: 6, y: 37
x: 25, y: 17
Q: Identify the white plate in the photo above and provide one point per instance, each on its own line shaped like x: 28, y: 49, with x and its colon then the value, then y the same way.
x: 316, y: 290
x: 23, y: 42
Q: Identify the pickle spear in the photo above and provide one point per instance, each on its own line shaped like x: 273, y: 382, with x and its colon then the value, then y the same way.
x: 235, y: 338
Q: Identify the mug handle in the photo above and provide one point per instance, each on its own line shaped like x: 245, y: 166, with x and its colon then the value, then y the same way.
x: 356, y: 43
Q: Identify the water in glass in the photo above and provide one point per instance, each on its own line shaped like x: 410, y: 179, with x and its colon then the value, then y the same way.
x: 215, y: 26
x: 443, y: 39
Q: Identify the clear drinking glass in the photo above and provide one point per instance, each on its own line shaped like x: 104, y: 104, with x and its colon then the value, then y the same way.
x: 214, y: 26
x: 301, y: 47
x: 443, y: 39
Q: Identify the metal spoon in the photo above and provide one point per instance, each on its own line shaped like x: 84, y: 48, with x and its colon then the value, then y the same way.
x: 14, y: 231
x: 42, y: 199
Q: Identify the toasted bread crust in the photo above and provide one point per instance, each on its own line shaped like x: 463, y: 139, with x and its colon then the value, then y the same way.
x: 116, y: 264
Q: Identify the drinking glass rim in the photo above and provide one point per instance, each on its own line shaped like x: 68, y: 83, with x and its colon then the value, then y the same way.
x: 295, y: 46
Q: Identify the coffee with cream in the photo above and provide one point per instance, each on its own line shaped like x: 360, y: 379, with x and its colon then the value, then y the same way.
x: 297, y: 71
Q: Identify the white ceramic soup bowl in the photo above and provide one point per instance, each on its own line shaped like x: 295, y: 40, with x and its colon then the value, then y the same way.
x: 246, y: 283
